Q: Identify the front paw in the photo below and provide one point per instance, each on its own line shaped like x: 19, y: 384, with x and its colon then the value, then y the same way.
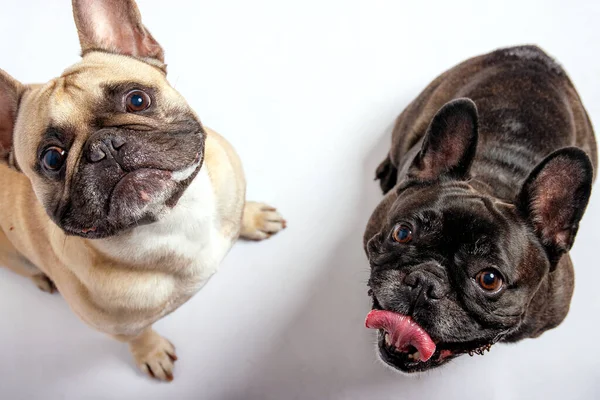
x: 154, y: 355
x: 44, y: 283
x: 260, y: 221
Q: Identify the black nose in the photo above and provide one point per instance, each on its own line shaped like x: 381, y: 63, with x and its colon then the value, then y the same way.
x: 102, y: 147
x: 425, y: 283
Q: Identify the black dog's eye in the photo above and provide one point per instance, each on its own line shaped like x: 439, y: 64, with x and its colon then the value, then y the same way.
x: 402, y: 233
x: 137, y: 101
x: 489, y: 280
x: 53, y: 158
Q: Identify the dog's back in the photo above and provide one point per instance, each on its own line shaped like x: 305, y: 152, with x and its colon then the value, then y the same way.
x: 528, y: 108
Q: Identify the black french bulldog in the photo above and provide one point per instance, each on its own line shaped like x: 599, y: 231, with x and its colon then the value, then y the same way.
x: 487, y: 179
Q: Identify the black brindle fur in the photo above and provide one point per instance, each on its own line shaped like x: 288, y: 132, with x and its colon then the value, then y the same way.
x: 490, y: 167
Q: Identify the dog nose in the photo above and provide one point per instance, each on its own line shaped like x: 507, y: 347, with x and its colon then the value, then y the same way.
x: 427, y: 283
x: 101, y: 148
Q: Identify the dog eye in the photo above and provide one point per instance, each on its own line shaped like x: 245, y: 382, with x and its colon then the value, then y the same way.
x: 489, y: 280
x: 53, y: 158
x: 402, y: 233
x: 137, y: 101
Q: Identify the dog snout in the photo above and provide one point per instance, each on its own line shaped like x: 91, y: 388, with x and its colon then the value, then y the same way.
x: 426, y: 283
x: 102, y: 146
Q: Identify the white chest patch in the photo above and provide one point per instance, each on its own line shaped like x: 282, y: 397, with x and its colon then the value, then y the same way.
x: 188, y: 245
x: 190, y: 230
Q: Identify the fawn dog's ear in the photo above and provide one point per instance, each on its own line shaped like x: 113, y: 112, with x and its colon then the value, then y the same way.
x: 114, y: 26
x: 10, y: 92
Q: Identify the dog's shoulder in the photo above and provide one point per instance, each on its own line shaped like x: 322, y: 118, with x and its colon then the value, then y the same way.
x: 219, y: 153
x: 227, y: 178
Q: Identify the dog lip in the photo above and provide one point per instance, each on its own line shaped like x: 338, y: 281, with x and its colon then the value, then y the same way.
x: 175, y: 175
x: 89, y: 233
x: 101, y: 232
x: 135, y: 186
x: 185, y: 173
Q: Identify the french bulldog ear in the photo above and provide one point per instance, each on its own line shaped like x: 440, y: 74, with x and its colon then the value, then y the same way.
x: 449, y: 144
x: 114, y: 26
x: 10, y: 92
x: 554, y: 198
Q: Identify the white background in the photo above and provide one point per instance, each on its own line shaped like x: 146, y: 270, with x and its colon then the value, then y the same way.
x: 307, y: 92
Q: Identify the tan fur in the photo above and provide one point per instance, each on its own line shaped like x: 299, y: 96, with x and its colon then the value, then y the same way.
x: 121, y: 285
x: 260, y: 221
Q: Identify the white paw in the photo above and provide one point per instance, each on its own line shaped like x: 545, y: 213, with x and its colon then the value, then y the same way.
x: 260, y: 221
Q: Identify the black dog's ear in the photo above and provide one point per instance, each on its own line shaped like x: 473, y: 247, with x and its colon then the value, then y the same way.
x: 10, y: 92
x: 114, y: 26
x: 449, y: 144
x: 554, y: 198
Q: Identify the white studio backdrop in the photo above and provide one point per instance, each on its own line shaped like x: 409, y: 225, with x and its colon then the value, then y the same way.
x: 307, y: 92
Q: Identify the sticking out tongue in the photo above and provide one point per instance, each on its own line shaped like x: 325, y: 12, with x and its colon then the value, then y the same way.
x: 403, y: 332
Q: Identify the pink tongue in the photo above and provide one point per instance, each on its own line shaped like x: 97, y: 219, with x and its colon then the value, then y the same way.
x: 403, y: 331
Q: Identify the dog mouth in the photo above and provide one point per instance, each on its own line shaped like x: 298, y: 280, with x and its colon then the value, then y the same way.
x: 136, y: 198
x: 406, y: 346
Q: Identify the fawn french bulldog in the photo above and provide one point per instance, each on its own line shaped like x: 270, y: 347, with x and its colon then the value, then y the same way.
x: 488, y: 176
x: 113, y: 192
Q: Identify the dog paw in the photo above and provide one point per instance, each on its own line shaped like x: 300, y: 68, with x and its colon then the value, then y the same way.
x: 44, y: 283
x: 155, y: 356
x: 260, y: 221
